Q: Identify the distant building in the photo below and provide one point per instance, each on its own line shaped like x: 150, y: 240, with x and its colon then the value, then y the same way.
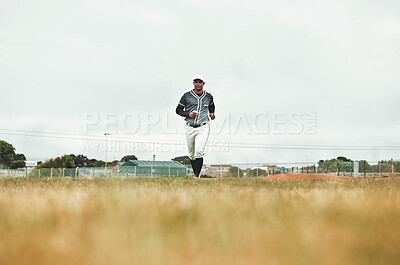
x: 31, y: 164
x: 216, y: 170
x: 264, y: 167
x: 268, y: 169
x: 117, y: 167
x: 153, y: 168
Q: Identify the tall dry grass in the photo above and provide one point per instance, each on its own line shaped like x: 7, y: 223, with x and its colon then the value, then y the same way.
x: 187, y: 221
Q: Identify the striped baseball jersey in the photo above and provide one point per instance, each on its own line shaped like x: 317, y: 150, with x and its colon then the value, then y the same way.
x: 202, y: 103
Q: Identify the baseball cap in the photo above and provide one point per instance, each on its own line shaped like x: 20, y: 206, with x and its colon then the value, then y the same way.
x: 198, y: 77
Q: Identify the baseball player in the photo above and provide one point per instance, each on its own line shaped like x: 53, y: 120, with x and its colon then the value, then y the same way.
x: 197, y: 106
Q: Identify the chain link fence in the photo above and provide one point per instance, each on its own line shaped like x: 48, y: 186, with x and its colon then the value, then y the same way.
x: 360, y: 169
x: 90, y: 172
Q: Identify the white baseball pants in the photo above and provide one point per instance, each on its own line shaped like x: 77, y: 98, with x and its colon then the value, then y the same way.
x: 196, y: 139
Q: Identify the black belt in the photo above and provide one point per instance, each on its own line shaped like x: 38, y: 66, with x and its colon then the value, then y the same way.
x: 196, y: 125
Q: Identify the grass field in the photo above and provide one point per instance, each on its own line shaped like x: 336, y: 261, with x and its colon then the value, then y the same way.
x: 206, y: 221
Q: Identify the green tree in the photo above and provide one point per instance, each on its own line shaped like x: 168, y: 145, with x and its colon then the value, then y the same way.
x: 95, y: 163
x: 364, y: 163
x: 259, y: 173
x: 396, y: 166
x: 385, y: 166
x: 7, y: 153
x: 185, y: 160
x: 128, y: 157
x: 79, y: 160
x: 342, y: 158
x: 331, y: 165
x: 235, y: 172
x: 20, y: 157
x: 17, y: 164
x: 58, y: 162
x: 112, y: 163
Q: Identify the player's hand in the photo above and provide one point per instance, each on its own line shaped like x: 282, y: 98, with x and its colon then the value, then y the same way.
x: 192, y: 114
x: 212, y: 116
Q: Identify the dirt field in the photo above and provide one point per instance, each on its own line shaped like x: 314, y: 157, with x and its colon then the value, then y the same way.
x: 195, y: 221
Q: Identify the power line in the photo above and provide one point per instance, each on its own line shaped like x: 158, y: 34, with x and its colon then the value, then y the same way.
x: 86, y: 136
x: 83, y: 137
x: 258, y: 145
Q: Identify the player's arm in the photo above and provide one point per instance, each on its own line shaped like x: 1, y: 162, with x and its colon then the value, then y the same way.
x: 211, y: 108
x: 180, y: 109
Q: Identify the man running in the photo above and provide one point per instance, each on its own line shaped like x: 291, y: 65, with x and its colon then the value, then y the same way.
x: 197, y: 106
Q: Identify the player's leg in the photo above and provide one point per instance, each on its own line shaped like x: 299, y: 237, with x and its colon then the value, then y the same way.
x: 190, y: 140
x: 202, y: 135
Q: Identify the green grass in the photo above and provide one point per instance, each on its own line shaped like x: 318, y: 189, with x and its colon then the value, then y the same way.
x: 206, y: 221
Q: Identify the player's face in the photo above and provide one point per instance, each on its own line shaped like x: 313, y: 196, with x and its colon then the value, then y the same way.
x: 198, y: 84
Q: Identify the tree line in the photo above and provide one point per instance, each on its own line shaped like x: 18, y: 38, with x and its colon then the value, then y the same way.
x: 8, y: 157
x: 73, y: 161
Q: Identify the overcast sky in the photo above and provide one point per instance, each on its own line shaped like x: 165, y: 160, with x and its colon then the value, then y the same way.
x: 322, y: 73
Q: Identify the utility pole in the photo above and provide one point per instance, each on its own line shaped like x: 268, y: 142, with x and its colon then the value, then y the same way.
x: 392, y: 167
x: 105, y: 167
